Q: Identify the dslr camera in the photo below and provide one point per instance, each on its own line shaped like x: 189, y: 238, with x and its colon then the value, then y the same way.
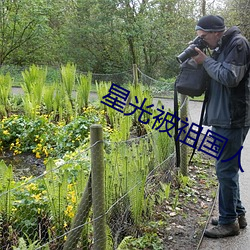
x: 190, y: 51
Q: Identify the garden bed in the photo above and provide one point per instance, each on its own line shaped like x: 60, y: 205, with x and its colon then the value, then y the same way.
x: 178, y: 220
x: 180, y: 216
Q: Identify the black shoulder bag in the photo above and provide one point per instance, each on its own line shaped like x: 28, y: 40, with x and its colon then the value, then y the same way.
x: 192, y: 81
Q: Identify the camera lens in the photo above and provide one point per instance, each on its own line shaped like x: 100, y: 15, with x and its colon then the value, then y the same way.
x: 187, y: 53
x: 190, y: 51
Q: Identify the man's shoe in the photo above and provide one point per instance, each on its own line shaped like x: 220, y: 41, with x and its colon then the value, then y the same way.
x: 221, y: 231
x: 241, y: 219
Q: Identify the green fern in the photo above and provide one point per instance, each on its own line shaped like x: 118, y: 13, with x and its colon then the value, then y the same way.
x: 33, y: 86
x: 56, y: 185
x: 68, y: 74
x: 6, y: 184
x: 83, y: 90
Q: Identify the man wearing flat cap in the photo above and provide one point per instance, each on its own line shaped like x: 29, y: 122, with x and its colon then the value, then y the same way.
x: 228, y: 112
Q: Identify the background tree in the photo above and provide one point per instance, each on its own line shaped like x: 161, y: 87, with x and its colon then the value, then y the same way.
x: 21, y: 25
x: 105, y: 36
x: 237, y: 13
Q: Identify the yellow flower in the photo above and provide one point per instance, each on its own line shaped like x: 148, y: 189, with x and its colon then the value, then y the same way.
x: 69, y: 211
x: 45, y: 151
x: 73, y: 199
x: 37, y: 196
x: 38, y: 155
x: 31, y: 186
x: 6, y: 132
x: 17, y: 152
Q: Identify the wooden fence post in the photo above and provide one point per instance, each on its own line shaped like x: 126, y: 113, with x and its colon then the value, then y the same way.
x: 135, y: 74
x: 183, y: 149
x: 98, y: 195
x: 80, y: 218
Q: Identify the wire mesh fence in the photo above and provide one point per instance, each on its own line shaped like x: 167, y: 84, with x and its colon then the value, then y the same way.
x: 56, y: 209
x: 160, y: 87
x: 45, y: 211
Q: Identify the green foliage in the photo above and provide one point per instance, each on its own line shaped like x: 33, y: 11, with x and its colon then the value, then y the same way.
x: 55, y: 197
x: 43, y: 137
x: 163, y: 143
x: 30, y: 206
x: 102, y: 89
x: 34, y: 81
x: 184, y: 181
x: 165, y: 191
x: 83, y: 91
x: 51, y: 199
x: 5, y: 90
x: 147, y: 241
x: 126, y: 172
x: 6, y: 184
x: 103, y: 36
x: 48, y: 98
x: 57, y: 188
x: 29, y: 245
x: 23, y: 25
x: 141, y: 93
x: 68, y: 74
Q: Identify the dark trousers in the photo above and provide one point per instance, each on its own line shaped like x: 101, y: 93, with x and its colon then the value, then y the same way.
x: 230, y: 206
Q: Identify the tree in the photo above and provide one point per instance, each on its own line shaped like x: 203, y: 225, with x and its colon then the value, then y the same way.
x: 237, y: 13
x: 21, y: 21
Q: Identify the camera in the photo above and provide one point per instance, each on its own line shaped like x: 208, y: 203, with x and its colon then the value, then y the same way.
x: 190, y: 51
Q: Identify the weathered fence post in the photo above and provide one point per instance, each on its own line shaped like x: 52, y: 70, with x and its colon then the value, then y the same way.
x: 135, y: 74
x: 80, y: 218
x: 98, y: 195
x: 183, y: 149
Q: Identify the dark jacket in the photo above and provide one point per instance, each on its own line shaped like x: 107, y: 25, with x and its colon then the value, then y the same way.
x: 229, y: 91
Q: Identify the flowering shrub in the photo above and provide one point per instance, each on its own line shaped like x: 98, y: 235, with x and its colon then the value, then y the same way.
x: 43, y: 137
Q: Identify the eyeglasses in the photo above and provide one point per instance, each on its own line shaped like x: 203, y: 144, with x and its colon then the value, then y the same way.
x: 203, y: 36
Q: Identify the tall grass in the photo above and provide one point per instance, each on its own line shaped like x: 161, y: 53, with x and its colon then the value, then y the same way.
x: 5, y: 90
x: 6, y: 184
x: 83, y: 91
x: 68, y: 74
x: 33, y: 86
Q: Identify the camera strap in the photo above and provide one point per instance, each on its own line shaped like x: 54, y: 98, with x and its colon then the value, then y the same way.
x: 176, y: 112
x: 200, y: 124
x: 176, y: 122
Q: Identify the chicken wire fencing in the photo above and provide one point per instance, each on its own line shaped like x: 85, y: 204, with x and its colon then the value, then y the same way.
x: 65, y: 207
x: 160, y: 87
x: 72, y: 206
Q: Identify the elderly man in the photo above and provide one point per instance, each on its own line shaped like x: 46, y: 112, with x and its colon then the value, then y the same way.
x: 228, y: 112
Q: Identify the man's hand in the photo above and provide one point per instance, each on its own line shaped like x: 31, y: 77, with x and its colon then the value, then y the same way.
x: 200, y: 58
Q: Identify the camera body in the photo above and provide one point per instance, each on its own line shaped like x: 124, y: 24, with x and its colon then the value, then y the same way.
x: 190, y: 51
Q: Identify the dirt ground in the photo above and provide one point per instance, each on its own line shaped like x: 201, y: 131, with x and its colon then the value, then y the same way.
x: 187, y: 222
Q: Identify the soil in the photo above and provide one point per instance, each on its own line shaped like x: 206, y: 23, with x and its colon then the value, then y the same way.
x: 187, y: 222
x: 180, y: 218
x: 25, y: 164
